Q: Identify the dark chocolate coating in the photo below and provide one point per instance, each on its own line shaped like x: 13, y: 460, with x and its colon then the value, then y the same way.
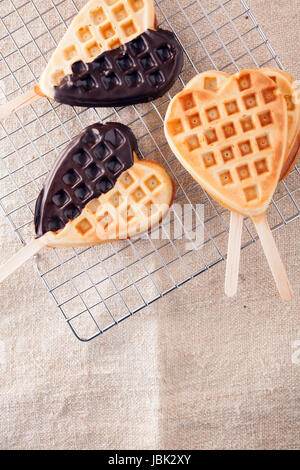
x: 88, y: 167
x: 137, y: 72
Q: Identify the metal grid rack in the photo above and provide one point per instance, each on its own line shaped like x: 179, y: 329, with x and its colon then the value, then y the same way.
x: 96, y: 288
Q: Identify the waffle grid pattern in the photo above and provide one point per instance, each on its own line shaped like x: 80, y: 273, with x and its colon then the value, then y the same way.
x: 241, y: 131
x: 129, y: 208
x: 97, y: 288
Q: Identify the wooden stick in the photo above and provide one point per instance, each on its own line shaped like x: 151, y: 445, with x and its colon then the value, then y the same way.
x: 273, y: 257
x: 19, y: 102
x: 17, y: 260
x: 233, y: 254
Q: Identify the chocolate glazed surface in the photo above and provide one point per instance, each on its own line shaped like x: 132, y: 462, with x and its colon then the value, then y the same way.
x: 137, y: 72
x: 88, y: 167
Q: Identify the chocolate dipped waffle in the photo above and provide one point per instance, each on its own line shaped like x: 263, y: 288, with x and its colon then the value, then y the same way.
x: 111, y: 55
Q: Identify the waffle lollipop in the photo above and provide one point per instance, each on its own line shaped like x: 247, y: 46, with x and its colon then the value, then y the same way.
x: 111, y: 55
x: 233, y: 142
x: 99, y: 191
x: 286, y: 85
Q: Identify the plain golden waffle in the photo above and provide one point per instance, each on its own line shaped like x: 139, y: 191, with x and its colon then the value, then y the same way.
x: 100, y: 25
x: 141, y: 197
x: 232, y: 142
x: 291, y: 92
x: 212, y: 80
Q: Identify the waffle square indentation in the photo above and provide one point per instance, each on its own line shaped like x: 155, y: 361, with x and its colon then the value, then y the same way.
x: 261, y: 166
x: 60, y: 198
x: 268, y: 95
x: 247, y: 124
x: 192, y: 142
x: 126, y: 179
x: 138, y: 194
x: 251, y: 193
x: 93, y: 49
x: 84, y: 34
x: 116, y: 199
x: 245, y: 147
x: 250, y: 101
x: 92, y: 171
x: 212, y: 114
x: 225, y: 177
x: 98, y: 16
x: 136, y: 5
x: 105, y: 220
x: 152, y: 183
x: 93, y: 205
x: 244, y: 82
x: 194, y: 120
x: 289, y: 102
x: 263, y: 142
x: 227, y: 154
x: 175, y: 127
x: 82, y: 192
x: 232, y: 107
x: 210, y: 83
x: 114, y: 43
x: 70, y: 53
x: 229, y: 130
x: 129, y: 28
x: 120, y: 12
x: 71, y: 177
x: 211, y: 136
x: 107, y: 31
x: 265, y: 118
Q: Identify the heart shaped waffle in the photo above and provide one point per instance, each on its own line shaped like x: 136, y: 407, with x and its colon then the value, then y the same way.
x: 99, y: 190
x: 291, y: 93
x: 212, y: 80
x: 136, y: 72
x: 141, y: 197
x: 232, y: 141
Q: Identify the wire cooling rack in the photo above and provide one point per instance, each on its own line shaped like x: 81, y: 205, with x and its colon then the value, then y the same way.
x: 98, y: 287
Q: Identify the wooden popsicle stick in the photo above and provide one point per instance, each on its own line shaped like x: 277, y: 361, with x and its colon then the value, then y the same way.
x: 273, y: 257
x: 19, y: 102
x: 233, y: 254
x: 18, y: 259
